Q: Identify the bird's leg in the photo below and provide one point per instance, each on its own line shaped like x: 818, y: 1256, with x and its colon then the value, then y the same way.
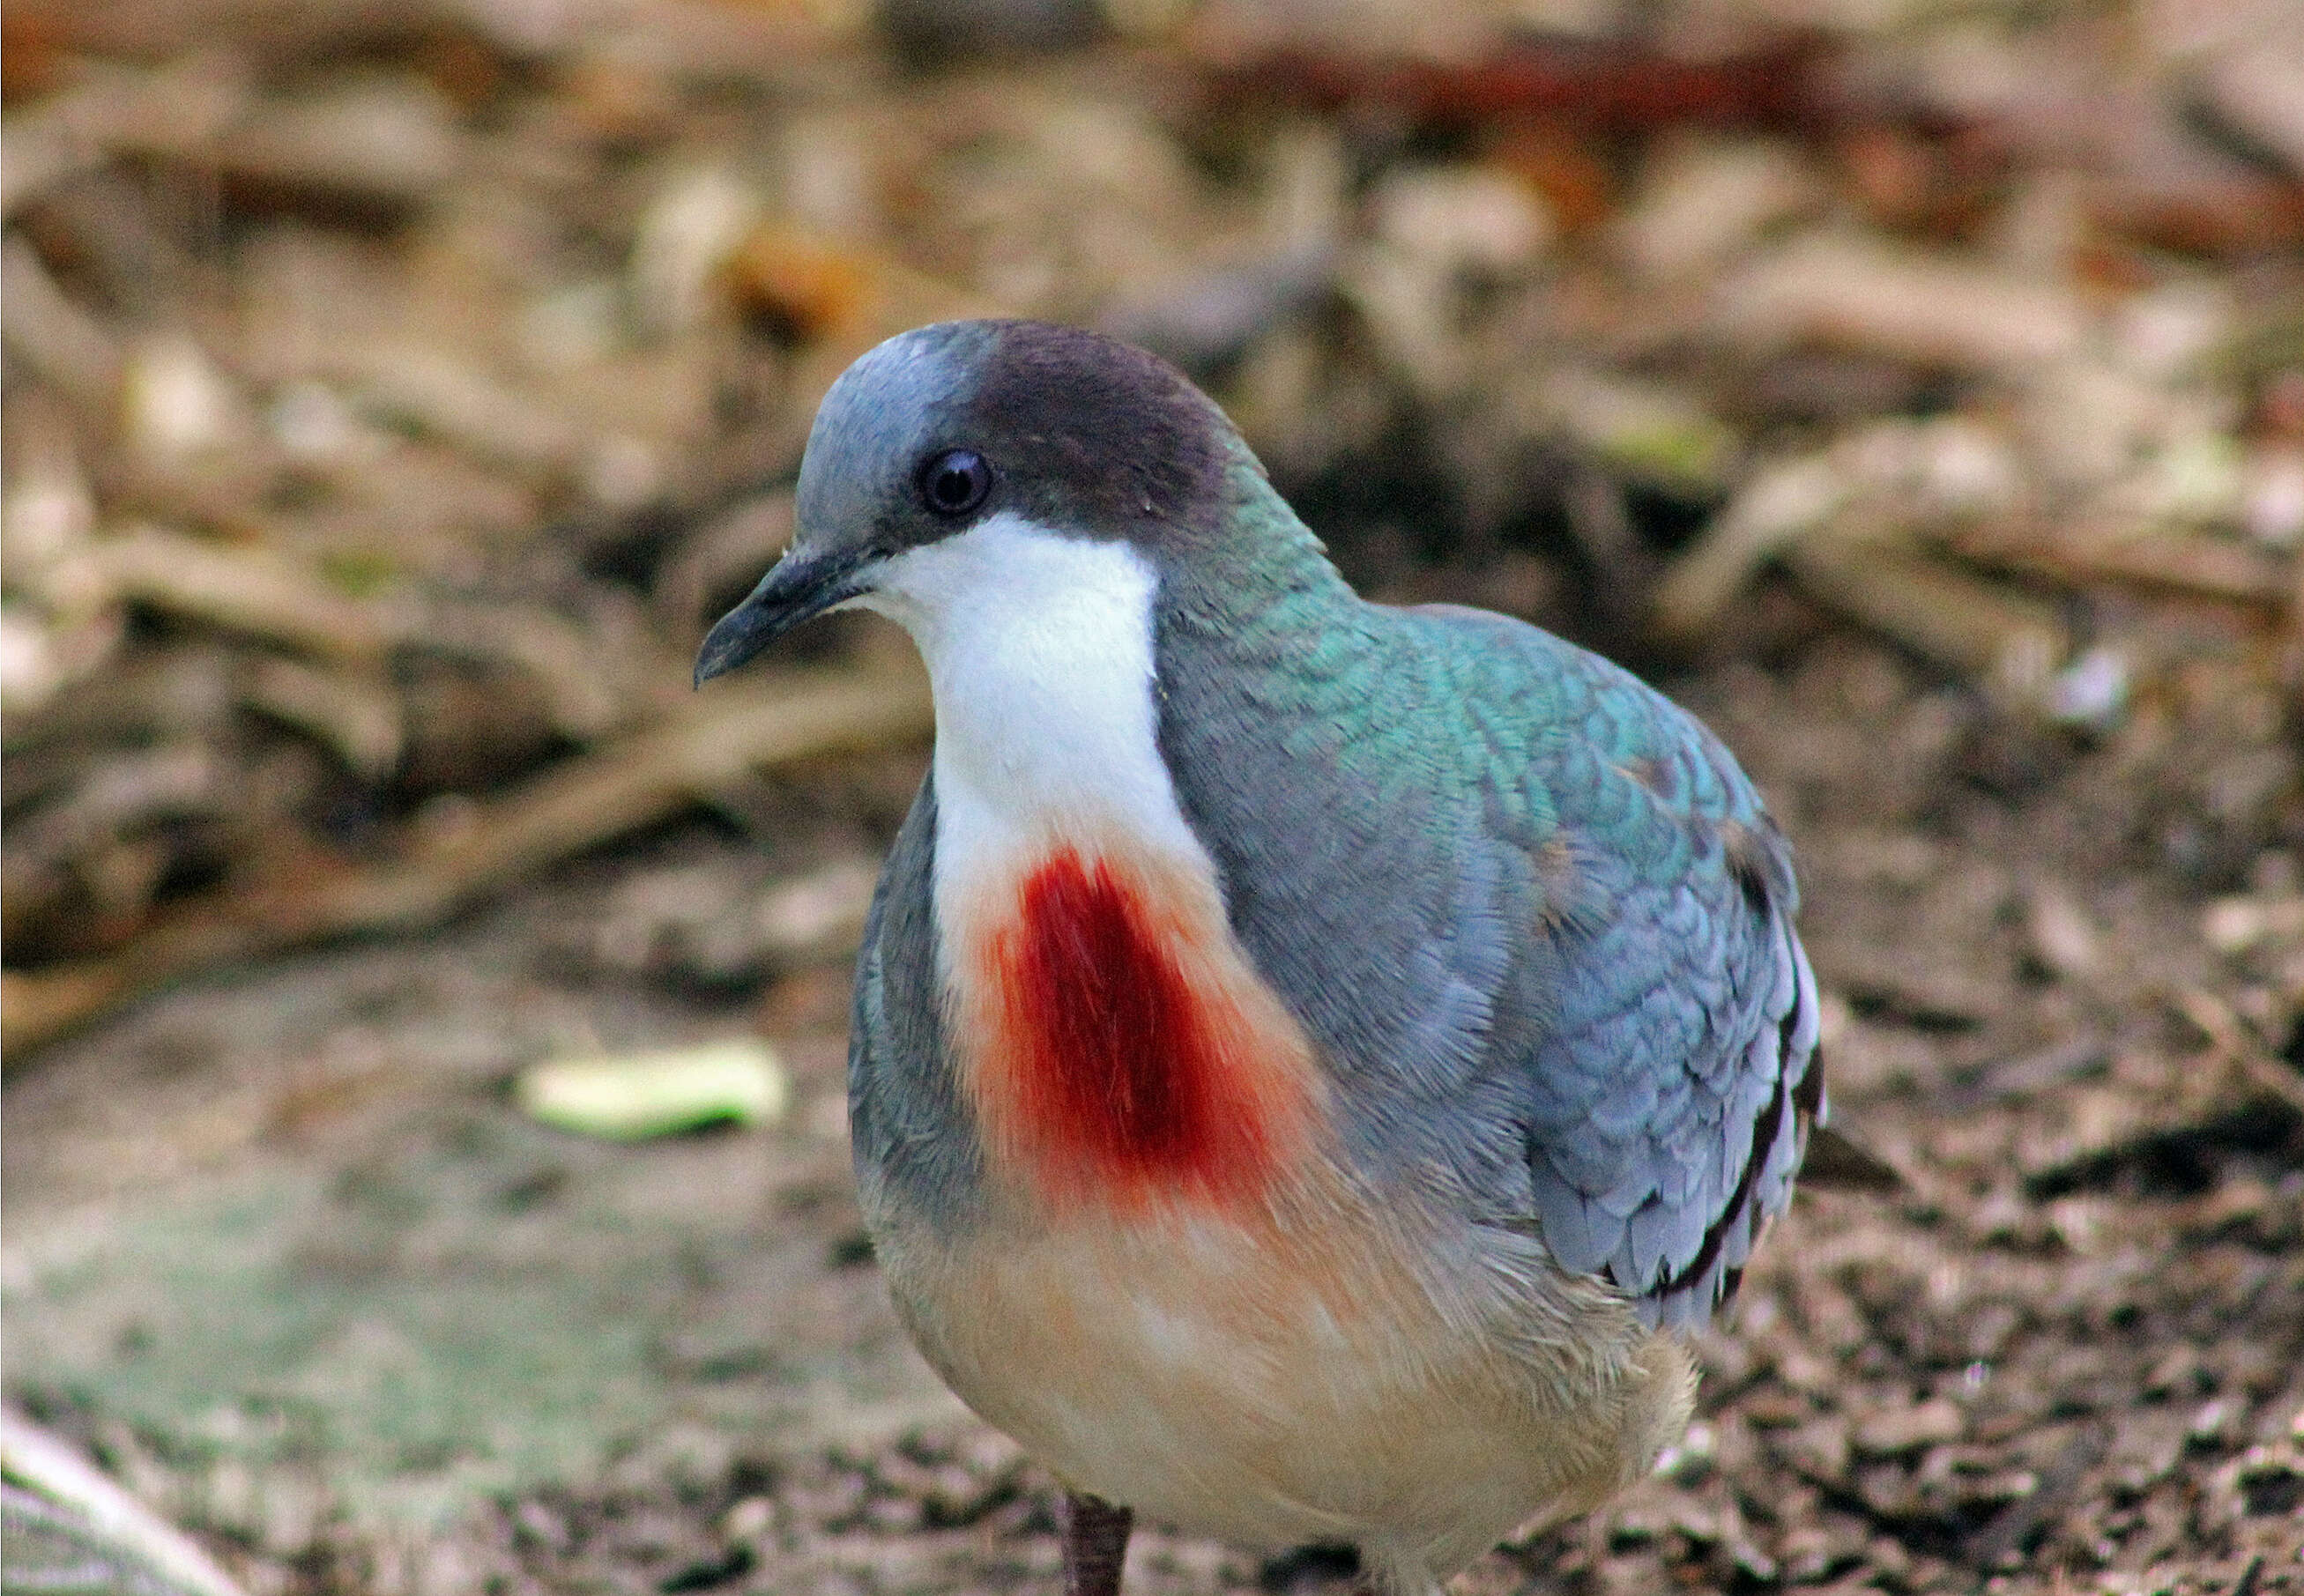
x: 1096, y: 1544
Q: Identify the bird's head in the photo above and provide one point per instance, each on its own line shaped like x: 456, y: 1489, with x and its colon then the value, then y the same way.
x: 949, y: 428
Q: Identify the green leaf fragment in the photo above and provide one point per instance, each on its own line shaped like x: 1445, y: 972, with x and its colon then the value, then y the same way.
x: 628, y: 1097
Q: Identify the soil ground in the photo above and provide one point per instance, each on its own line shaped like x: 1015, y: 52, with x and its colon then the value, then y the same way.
x: 281, y: 1253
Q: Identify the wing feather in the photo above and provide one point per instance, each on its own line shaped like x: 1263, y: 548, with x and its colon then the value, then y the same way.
x: 1669, y: 1079
x: 1531, y: 913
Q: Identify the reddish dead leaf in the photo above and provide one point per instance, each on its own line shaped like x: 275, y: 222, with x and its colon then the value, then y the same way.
x: 810, y: 287
x: 1566, y: 168
x: 1613, y: 87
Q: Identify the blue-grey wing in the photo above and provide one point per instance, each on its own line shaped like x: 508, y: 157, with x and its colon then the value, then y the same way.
x: 1658, y: 1044
x: 1533, y: 917
x: 1669, y: 1101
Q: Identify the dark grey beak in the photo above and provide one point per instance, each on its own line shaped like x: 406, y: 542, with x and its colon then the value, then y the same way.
x: 797, y: 587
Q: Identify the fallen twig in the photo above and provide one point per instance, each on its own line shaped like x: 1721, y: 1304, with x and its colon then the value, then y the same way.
x: 2231, y: 1042
x: 572, y: 807
x: 2187, y: 561
x: 74, y: 1527
x: 2259, y: 93
x: 1938, y: 310
x: 173, y: 110
x: 384, y: 142
x: 256, y: 591
x: 251, y: 590
x: 1987, y: 634
x: 55, y: 336
x: 357, y: 716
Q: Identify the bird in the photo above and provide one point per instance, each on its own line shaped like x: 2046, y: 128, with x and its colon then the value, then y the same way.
x: 1312, y: 1060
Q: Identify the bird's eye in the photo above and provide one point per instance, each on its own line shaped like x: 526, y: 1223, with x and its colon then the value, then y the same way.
x: 954, y: 482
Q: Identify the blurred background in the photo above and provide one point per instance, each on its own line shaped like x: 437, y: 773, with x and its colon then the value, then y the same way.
x: 424, y: 1019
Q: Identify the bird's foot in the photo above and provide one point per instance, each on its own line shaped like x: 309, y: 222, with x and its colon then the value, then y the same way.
x: 1096, y: 1544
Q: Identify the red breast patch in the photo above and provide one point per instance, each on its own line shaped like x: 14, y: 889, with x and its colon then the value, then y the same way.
x: 1122, y: 1060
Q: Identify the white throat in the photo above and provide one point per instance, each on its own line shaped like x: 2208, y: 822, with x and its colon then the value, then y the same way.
x: 1040, y: 654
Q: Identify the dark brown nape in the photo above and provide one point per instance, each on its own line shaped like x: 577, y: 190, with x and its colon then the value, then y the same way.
x: 1099, y: 436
